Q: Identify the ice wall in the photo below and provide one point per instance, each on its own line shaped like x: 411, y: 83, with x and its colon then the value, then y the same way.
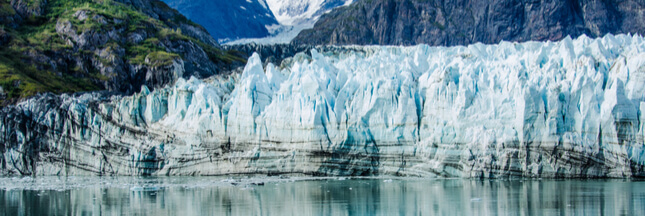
x: 538, y: 109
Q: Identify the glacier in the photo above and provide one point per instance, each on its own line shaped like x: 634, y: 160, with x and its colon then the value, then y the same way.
x: 569, y: 109
x: 293, y: 17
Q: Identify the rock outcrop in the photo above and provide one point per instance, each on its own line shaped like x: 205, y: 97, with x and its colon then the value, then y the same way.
x: 462, y: 22
x: 115, y: 45
x: 171, y: 17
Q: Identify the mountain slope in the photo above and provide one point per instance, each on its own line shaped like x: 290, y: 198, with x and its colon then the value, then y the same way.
x: 291, y: 12
x: 228, y: 20
x: 84, y: 45
x: 293, y: 16
x: 435, y: 22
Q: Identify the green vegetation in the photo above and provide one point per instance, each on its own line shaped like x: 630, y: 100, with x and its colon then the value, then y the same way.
x: 139, y: 52
x: 6, y: 9
x: 23, y: 72
x: 21, y: 80
x: 438, y: 25
x: 161, y: 58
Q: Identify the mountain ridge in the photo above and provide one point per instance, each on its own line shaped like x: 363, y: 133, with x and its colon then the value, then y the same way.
x: 463, y: 22
x: 228, y: 20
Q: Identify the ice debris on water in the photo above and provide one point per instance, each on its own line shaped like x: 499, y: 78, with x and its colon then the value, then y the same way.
x: 145, y: 188
x: 151, y: 186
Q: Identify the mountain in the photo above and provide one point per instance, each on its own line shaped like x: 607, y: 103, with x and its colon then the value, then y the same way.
x: 230, y: 19
x: 292, y: 12
x: 461, y: 22
x: 572, y: 108
x: 293, y: 16
x: 87, y: 45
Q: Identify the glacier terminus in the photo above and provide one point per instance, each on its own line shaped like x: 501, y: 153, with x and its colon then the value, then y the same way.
x: 572, y: 108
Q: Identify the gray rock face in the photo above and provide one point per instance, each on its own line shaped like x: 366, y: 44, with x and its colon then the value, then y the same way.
x: 158, y: 10
x: 14, y: 12
x: 461, y: 22
x: 277, y: 53
x: 270, y: 53
x: 123, y: 75
x: 26, y: 9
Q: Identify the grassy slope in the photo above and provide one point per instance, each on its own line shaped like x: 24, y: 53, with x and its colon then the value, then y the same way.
x: 20, y: 79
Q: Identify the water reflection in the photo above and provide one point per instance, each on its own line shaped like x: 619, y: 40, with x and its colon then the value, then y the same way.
x: 209, y: 196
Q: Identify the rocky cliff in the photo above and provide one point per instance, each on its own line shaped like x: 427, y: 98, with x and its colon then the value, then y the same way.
x: 573, y: 108
x: 115, y: 45
x: 461, y: 22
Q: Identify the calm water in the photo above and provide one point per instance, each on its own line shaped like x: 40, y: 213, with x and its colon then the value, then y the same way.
x: 247, y: 196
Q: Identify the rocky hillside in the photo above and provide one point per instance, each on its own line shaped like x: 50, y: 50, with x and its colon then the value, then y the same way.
x: 116, y: 45
x: 434, y: 22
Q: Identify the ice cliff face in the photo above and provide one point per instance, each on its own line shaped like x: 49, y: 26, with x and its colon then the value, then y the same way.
x: 555, y: 109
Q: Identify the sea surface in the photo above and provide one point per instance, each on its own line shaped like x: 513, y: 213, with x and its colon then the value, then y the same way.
x: 316, y: 196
